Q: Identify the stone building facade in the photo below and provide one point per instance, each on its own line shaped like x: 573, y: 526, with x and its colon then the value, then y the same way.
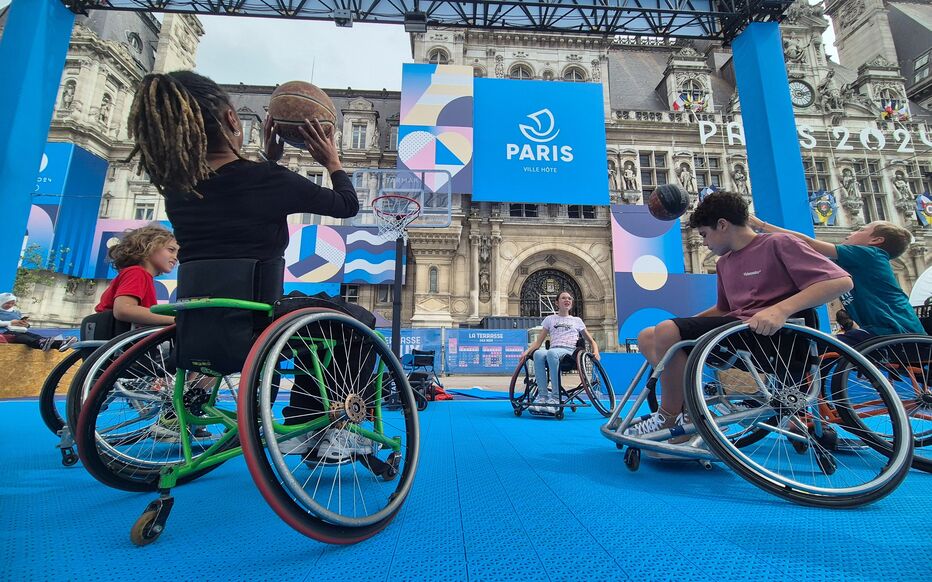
x: 505, y: 259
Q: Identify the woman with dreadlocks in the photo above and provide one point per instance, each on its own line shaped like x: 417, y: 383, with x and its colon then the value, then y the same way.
x: 222, y: 206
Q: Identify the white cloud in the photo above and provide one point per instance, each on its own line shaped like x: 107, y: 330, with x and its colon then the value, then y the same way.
x: 265, y: 51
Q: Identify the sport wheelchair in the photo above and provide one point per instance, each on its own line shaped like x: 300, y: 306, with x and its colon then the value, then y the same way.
x: 306, y: 410
x: 422, y: 376
x: 593, y: 383
x: 102, y: 340
x: 758, y: 404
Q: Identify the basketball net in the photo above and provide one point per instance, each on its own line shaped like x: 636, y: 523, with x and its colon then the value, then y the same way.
x: 393, y: 214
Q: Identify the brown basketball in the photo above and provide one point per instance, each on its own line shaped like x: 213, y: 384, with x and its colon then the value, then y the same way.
x: 295, y: 101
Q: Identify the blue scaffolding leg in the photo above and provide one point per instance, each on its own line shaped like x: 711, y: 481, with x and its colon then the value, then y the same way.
x: 32, y: 55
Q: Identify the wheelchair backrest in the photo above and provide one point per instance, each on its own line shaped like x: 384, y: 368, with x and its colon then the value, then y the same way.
x: 219, y: 339
x: 102, y: 326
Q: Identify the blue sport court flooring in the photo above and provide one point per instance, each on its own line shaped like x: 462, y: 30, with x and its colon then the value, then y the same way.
x: 496, y: 498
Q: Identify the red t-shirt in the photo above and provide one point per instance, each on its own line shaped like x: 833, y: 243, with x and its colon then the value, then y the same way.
x: 767, y: 271
x: 132, y: 281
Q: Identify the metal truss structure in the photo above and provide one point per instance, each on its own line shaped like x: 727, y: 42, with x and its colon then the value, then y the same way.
x: 707, y: 19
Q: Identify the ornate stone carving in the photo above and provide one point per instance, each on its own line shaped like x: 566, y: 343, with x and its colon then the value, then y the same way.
x: 71, y: 286
x: 740, y: 178
x: 629, y: 177
x: 830, y: 98
x: 687, y: 51
x: 500, y: 66
x: 880, y: 62
x: 596, y: 71
x: 90, y: 287
x: 484, y: 287
x: 67, y: 94
x: 106, y: 104
x: 849, y: 14
x: 903, y: 191
x: 793, y: 52
x: 686, y: 178
x: 485, y: 249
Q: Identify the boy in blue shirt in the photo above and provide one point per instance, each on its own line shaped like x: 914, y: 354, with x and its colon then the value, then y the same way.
x: 877, y: 303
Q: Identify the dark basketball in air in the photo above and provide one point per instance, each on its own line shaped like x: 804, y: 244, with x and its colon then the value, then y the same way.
x: 668, y: 202
x: 295, y: 101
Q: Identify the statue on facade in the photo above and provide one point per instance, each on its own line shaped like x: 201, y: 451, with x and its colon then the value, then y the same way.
x: 612, y: 176
x: 484, y: 288
x: 629, y: 177
x: 830, y: 97
x: 903, y: 191
x: 687, y: 180
x: 793, y: 52
x: 254, y: 133
x: 741, y: 180
x: 338, y: 139
x: 105, y: 105
x: 374, y: 144
x: 67, y: 95
x: 850, y: 184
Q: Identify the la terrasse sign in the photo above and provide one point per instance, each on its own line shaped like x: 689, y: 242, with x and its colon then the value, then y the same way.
x: 839, y: 138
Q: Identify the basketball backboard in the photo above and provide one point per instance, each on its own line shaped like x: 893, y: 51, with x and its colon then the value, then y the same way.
x: 429, y: 188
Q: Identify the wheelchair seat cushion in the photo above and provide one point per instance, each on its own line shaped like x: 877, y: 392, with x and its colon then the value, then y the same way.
x: 297, y: 300
x: 102, y: 326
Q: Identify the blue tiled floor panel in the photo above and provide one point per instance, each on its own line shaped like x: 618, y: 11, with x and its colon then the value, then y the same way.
x: 495, y: 498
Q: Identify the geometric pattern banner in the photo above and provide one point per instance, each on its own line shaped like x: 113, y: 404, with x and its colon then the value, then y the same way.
x: 435, y: 125
x: 651, y: 284
x: 318, y: 258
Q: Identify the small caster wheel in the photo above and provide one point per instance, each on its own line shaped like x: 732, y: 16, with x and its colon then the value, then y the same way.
x: 518, y: 411
x: 706, y: 464
x: 145, y: 531
x: 633, y: 459
x: 559, y: 414
x: 151, y: 523
x: 573, y: 408
x: 826, y: 463
x: 394, y: 461
x: 69, y: 457
x: 619, y: 446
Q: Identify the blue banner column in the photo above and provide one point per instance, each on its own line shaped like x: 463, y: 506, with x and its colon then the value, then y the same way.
x: 774, y: 158
x: 776, y: 164
x: 32, y: 55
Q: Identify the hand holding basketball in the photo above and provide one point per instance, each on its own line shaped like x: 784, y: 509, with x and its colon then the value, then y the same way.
x: 322, y: 148
x: 668, y: 202
x: 274, y: 144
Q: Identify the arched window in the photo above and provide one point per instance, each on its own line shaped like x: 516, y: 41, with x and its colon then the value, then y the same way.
x: 521, y: 72
x: 693, y: 89
x: 134, y: 41
x: 574, y: 75
x: 438, y: 56
x: 478, y: 72
x: 547, y: 75
x: 433, y: 280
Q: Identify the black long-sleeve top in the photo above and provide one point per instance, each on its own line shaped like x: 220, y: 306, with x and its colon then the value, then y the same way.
x: 243, y: 208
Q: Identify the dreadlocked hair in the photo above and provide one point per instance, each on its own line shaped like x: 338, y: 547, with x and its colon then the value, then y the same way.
x: 175, y: 121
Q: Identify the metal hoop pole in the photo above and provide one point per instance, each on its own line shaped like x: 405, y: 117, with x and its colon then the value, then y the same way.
x: 396, y: 296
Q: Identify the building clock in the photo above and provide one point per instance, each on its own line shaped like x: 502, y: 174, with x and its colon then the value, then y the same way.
x: 801, y: 94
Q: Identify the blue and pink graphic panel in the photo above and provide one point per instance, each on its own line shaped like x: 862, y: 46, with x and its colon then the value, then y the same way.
x: 435, y: 126
x: 651, y: 284
x: 318, y: 258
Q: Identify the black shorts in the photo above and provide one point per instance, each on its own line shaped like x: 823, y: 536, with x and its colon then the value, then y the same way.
x: 695, y: 327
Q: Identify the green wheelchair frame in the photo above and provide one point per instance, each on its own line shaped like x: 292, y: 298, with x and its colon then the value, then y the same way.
x: 150, y: 525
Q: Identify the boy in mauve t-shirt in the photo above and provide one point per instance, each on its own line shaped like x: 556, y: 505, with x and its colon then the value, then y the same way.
x: 763, y: 279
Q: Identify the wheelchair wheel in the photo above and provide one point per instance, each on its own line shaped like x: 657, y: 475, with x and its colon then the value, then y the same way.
x: 906, y: 362
x: 127, y: 431
x: 54, y: 389
x: 786, y: 399
x: 94, y: 365
x: 340, y: 464
x: 523, y: 387
x: 597, y: 384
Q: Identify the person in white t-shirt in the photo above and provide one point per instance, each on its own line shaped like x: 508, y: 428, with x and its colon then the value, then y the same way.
x: 564, y: 331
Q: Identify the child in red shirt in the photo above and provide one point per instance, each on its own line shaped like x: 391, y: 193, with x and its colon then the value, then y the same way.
x: 140, y: 256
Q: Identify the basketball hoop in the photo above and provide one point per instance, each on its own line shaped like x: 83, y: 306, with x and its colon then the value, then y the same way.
x: 393, y: 214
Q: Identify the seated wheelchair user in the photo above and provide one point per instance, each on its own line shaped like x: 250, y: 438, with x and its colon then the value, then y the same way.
x: 102, y: 339
x: 754, y: 385
x: 565, y: 353
x: 306, y: 410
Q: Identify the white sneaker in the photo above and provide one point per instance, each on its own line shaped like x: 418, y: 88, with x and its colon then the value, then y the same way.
x: 299, y: 445
x: 553, y: 404
x: 338, y: 444
x: 654, y: 422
